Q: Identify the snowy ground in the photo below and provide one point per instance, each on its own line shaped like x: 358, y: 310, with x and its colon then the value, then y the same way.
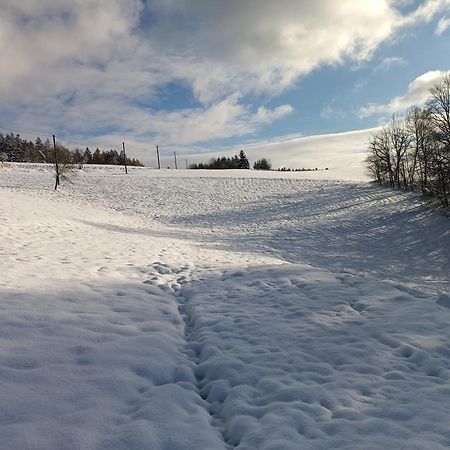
x: 217, y: 310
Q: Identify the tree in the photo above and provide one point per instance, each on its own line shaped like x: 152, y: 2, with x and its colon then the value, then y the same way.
x: 262, y: 164
x: 243, y: 161
x: 224, y: 162
x: 62, y: 163
x: 419, y: 125
x: 40, y: 149
x: 416, y: 149
x: 47, y: 150
x: 400, y: 140
x: 87, y: 156
x: 17, y: 153
x: 439, y: 106
x: 77, y: 158
x: 6, y: 146
x: 379, y: 160
x: 97, y: 157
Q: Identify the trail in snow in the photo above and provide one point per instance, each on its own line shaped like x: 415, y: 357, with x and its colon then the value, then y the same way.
x: 92, y: 355
x: 293, y: 356
x: 175, y: 280
x: 174, y: 322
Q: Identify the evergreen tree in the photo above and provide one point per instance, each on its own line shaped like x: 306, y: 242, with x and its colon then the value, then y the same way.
x: 40, y: 149
x: 16, y: 150
x: 243, y: 161
x: 262, y: 164
x: 47, y: 150
x: 97, y: 157
x: 87, y: 156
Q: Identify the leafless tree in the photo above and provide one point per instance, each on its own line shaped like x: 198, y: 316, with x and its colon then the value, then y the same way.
x: 416, y: 149
x: 419, y: 125
x: 379, y: 160
x: 62, y: 163
x: 439, y: 106
x: 400, y: 140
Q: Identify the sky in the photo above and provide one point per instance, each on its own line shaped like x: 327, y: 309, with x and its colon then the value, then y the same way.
x: 213, y: 76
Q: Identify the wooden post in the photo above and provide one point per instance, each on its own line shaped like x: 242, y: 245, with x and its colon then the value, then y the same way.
x: 157, y: 154
x: 56, y: 164
x: 124, y: 157
x: 186, y: 164
x: 175, y: 157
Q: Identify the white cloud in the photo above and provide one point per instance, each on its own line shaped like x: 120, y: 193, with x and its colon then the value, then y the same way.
x: 417, y: 94
x: 426, y: 11
x: 261, y: 45
x: 223, y: 119
x: 442, y: 25
x: 330, y: 111
x: 97, y: 65
x: 218, y: 47
x: 264, y: 115
x: 391, y: 61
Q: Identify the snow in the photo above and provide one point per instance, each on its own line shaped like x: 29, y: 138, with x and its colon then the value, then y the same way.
x: 302, y: 358
x: 217, y: 310
x: 344, y: 161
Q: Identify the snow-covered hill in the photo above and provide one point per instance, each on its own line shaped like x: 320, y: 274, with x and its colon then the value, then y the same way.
x: 342, y: 153
x: 217, y: 310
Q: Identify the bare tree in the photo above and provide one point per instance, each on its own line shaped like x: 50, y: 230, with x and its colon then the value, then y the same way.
x: 419, y: 124
x: 379, y: 159
x: 416, y: 148
x: 439, y: 105
x: 62, y: 163
x: 400, y: 140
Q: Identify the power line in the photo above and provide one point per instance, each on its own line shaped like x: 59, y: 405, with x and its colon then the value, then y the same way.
x: 22, y: 132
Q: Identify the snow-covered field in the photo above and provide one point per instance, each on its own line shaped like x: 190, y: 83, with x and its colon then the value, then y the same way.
x: 214, y: 310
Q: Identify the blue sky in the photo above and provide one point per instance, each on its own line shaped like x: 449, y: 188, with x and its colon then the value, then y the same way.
x: 196, y: 76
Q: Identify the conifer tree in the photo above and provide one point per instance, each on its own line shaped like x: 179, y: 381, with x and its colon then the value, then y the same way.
x: 243, y: 161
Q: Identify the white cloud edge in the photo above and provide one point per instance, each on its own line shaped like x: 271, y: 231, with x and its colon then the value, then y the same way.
x: 416, y: 94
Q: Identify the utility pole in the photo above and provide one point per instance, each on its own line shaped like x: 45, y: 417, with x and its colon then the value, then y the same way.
x: 157, y: 154
x: 56, y: 164
x: 186, y: 164
x: 124, y: 157
x: 175, y: 157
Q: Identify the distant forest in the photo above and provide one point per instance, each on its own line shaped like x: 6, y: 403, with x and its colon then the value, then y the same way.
x: 236, y: 162
x: 15, y: 149
x: 414, y: 151
x: 241, y: 162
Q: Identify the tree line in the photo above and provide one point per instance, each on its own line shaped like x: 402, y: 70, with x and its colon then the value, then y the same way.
x: 15, y: 149
x: 236, y: 162
x: 414, y: 151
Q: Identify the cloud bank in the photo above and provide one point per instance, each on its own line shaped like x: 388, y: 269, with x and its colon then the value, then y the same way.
x: 96, y: 68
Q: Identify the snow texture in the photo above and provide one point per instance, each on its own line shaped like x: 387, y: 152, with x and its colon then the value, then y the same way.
x: 215, y: 310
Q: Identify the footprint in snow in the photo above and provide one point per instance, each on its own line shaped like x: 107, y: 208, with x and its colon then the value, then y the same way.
x: 162, y: 268
x: 443, y: 300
